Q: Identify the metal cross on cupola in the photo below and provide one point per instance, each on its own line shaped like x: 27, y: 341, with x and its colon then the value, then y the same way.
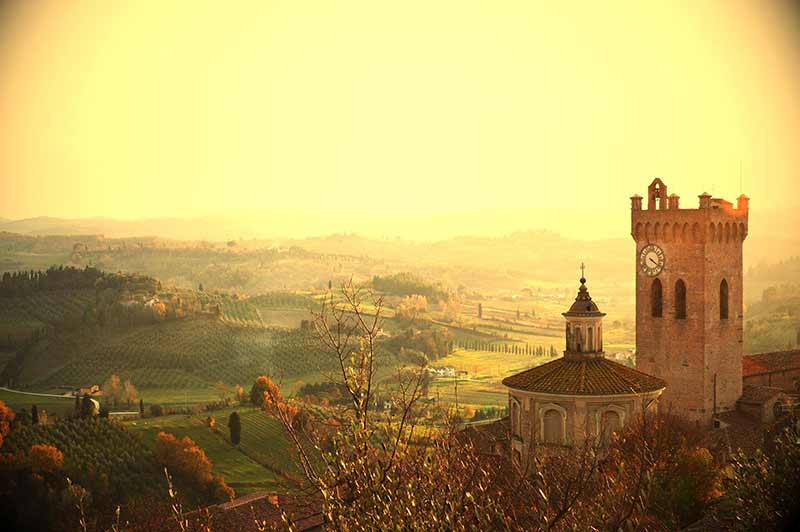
x: 583, y: 267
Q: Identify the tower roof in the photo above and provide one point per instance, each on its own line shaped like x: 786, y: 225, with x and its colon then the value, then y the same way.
x: 583, y: 305
x: 584, y: 376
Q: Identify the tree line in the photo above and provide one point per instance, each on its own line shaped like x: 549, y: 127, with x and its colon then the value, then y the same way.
x: 406, y: 284
x: 515, y: 349
x: 14, y: 284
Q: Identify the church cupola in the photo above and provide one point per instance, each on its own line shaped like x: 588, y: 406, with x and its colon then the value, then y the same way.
x: 584, y: 327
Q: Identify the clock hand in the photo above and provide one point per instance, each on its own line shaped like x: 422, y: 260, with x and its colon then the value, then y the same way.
x: 651, y: 260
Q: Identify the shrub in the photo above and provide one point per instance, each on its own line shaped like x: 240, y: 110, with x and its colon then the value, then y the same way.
x: 684, y: 488
x: 6, y: 419
x: 764, y: 487
x: 156, y: 410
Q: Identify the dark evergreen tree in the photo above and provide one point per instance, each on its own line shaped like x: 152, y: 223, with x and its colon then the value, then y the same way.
x: 34, y: 415
x: 141, y: 407
x: 235, y: 426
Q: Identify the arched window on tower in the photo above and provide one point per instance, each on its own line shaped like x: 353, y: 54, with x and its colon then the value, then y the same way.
x: 680, y: 300
x: 656, y: 303
x: 590, y: 343
x: 723, y: 300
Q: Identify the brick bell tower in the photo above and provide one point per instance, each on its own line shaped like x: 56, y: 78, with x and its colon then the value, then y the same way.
x: 689, y: 299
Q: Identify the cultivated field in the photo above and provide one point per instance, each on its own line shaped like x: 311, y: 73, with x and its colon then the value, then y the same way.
x: 261, y: 461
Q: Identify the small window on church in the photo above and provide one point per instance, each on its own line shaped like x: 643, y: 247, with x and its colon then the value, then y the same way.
x: 680, y: 300
x: 553, y: 427
x: 515, y: 428
x: 723, y: 300
x: 656, y: 303
x: 611, y: 423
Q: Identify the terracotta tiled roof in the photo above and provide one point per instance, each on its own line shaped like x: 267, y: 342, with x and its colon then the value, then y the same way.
x: 305, y: 512
x: 758, y: 394
x: 745, y: 433
x: 770, y: 362
x: 584, y: 376
x: 485, y: 436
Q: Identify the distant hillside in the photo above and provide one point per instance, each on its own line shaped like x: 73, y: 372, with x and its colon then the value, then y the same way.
x: 527, y: 259
x: 163, y: 227
x: 759, y: 278
x: 773, y: 322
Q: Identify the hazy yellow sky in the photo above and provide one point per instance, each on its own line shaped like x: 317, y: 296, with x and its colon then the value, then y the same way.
x: 522, y: 111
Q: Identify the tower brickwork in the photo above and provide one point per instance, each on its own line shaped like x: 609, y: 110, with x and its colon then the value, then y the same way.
x: 689, y: 299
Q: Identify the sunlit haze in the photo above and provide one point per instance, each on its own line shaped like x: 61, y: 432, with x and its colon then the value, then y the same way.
x: 420, y: 119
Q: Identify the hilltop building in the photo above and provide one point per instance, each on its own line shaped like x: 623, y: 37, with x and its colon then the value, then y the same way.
x: 689, y: 313
x: 689, y: 299
x: 580, y: 395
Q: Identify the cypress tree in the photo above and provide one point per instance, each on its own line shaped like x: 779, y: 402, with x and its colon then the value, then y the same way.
x: 235, y: 426
x: 34, y: 415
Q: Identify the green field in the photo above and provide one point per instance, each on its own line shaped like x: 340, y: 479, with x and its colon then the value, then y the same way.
x: 262, y: 460
x: 480, y: 374
x: 53, y: 405
x: 180, y: 354
x: 21, y: 316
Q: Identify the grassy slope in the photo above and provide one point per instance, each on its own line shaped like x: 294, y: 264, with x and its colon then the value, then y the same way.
x: 20, y: 316
x: 54, y: 405
x: 262, y: 461
x: 186, y: 354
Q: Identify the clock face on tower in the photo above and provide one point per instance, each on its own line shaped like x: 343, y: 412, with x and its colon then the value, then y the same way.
x: 651, y: 260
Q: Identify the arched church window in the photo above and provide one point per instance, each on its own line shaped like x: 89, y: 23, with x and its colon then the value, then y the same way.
x: 600, y: 337
x: 611, y: 423
x: 680, y: 300
x: 569, y: 338
x: 656, y: 302
x: 515, y: 429
x: 723, y: 300
x: 553, y: 426
x: 590, y: 343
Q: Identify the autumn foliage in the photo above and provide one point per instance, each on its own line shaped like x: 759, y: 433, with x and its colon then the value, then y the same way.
x: 45, y: 459
x: 190, y: 465
x: 6, y: 417
x: 269, y: 398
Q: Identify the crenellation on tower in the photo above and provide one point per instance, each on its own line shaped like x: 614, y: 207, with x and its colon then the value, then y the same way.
x: 689, y: 299
x: 674, y: 201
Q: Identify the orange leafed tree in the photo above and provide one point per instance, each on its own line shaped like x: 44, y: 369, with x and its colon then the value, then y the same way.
x: 45, y: 459
x: 271, y: 399
x: 6, y: 417
x: 183, y: 458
